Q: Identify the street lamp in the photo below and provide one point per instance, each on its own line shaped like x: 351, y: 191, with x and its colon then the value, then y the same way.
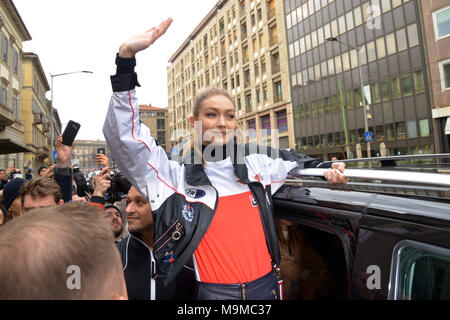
x: 51, y: 97
x: 366, y: 126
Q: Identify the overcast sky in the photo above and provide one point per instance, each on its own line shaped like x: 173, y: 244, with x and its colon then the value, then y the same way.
x: 78, y: 35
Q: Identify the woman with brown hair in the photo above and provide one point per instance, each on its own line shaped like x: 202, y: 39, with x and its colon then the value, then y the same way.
x: 216, y: 206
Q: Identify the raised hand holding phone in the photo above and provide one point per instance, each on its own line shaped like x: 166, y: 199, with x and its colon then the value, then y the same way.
x: 70, y: 132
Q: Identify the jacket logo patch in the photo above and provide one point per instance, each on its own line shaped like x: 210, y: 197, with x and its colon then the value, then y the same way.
x: 253, y: 201
x: 195, y: 193
x: 169, y: 257
x: 188, y: 213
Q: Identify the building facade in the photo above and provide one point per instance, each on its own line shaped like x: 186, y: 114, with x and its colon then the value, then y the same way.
x: 13, y: 33
x: 328, y: 41
x: 85, y: 153
x: 435, y: 20
x: 156, y: 119
x: 239, y: 46
x: 35, y: 113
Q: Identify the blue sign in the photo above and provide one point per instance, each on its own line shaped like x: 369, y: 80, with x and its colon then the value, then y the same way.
x: 368, y: 136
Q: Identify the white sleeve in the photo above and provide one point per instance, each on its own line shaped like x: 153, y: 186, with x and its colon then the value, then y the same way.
x: 269, y: 171
x: 135, y: 152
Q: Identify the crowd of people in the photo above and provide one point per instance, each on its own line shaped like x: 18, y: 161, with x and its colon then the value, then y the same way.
x: 185, y: 230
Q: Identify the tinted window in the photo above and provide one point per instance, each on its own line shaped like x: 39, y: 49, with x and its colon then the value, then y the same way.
x: 422, y: 272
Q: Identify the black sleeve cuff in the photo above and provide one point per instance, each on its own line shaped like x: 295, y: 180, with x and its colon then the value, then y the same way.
x: 125, y: 78
x: 125, y: 65
x: 124, y: 82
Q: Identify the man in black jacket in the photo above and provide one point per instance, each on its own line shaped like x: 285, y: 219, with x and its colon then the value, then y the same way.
x: 139, y: 266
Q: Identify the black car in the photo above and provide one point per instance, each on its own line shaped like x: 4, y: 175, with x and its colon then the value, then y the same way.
x: 366, y: 240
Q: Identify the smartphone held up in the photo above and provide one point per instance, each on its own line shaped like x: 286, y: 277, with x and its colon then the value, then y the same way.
x: 70, y: 132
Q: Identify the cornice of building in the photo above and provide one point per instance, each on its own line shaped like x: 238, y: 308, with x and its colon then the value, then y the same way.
x: 38, y: 66
x: 17, y: 19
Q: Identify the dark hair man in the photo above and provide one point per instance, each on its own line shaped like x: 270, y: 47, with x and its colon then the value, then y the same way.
x: 42, y: 171
x: 40, y: 192
x: 43, y: 258
x: 139, y: 266
x: 11, y: 198
x: 114, y: 217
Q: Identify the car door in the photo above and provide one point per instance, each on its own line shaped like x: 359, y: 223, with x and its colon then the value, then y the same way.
x: 403, y: 249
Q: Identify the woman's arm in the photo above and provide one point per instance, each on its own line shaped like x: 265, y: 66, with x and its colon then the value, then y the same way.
x: 133, y: 148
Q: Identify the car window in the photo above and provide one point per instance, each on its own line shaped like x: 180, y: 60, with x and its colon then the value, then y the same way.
x: 422, y: 272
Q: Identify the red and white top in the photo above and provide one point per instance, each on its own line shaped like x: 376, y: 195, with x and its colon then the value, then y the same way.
x: 234, y: 249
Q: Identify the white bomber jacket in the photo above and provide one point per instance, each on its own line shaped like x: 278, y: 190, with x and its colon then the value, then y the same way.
x: 171, y: 187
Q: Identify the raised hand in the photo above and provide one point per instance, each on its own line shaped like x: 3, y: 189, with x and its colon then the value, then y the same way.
x: 142, y: 41
x: 64, y: 152
x: 102, y: 183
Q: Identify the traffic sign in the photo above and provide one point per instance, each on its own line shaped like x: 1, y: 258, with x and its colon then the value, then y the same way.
x: 368, y: 136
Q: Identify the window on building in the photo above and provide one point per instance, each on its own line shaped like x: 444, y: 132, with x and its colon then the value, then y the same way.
x: 385, y: 91
x: 278, y: 92
x: 444, y: 68
x: 265, y: 93
x: 4, y: 94
x: 375, y: 93
x: 5, y: 48
x: 371, y: 53
x: 379, y: 133
x: 386, y: 5
x: 406, y: 84
x: 424, y: 128
x: 390, y: 131
x: 160, y: 124
x: 15, y: 107
x: 381, y: 48
x: 400, y: 130
x: 419, y: 84
x: 413, y: 36
x: 401, y: 40
x: 161, y: 137
x: 396, y: 88
x: 390, y: 44
x: 282, y: 121
x: 15, y: 61
x: 265, y: 124
x: 441, y: 19
x: 411, y: 129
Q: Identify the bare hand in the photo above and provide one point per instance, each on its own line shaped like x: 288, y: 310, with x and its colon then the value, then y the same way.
x: 102, y: 160
x: 334, y: 174
x: 50, y: 171
x: 102, y: 183
x: 142, y: 41
x: 64, y: 152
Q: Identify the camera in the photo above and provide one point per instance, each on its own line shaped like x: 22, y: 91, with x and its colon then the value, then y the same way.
x: 119, y: 187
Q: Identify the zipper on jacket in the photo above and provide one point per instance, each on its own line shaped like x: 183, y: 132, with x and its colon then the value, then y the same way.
x: 243, y: 291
